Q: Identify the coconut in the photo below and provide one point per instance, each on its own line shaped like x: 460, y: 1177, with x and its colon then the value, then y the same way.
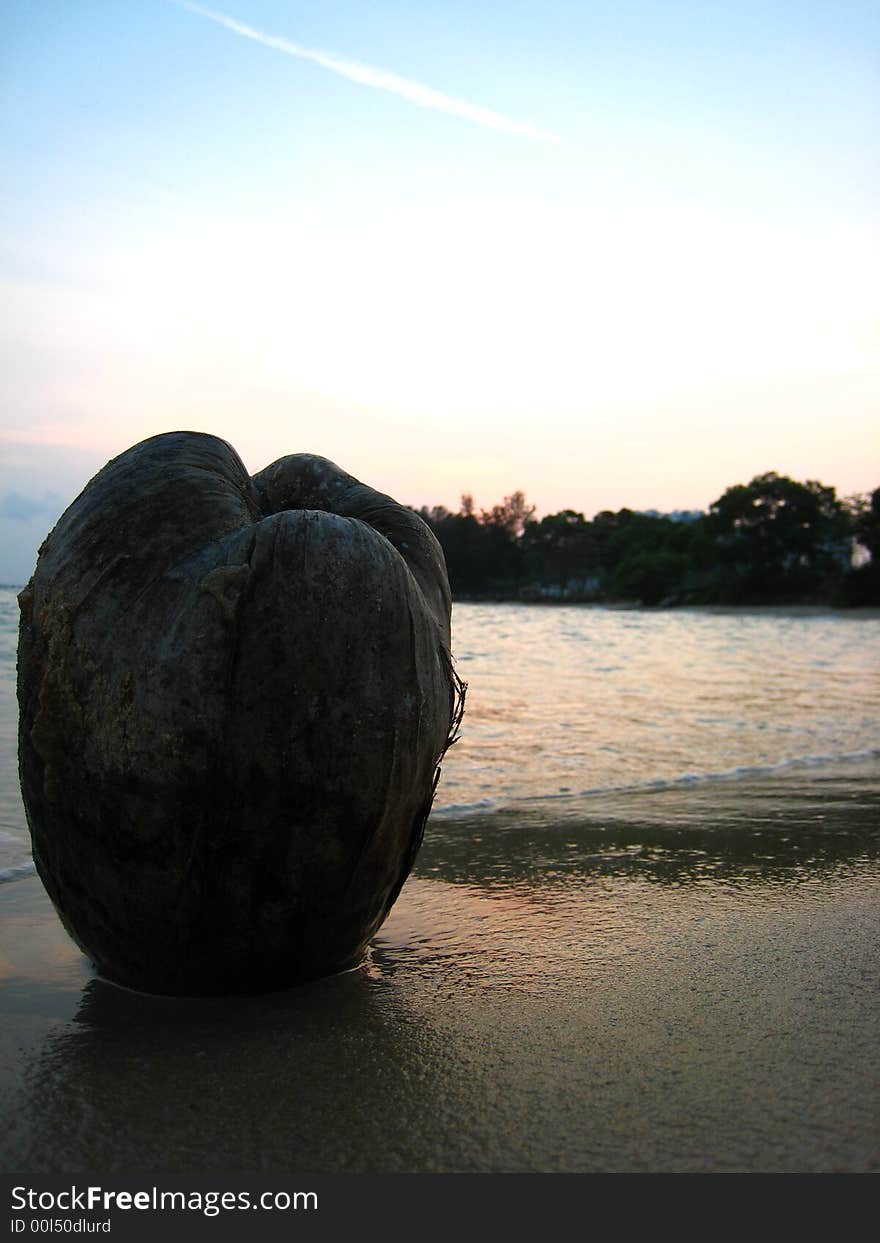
x: 234, y: 695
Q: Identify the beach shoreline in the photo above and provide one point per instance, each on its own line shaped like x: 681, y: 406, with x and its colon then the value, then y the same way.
x: 864, y: 612
x: 606, y: 996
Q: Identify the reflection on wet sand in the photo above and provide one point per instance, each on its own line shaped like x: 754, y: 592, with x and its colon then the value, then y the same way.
x: 591, y: 996
x: 792, y: 831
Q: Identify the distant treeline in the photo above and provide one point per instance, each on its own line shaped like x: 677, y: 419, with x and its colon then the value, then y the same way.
x: 773, y: 540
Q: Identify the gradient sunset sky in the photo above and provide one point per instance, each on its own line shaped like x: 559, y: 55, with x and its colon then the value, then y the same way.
x: 619, y: 253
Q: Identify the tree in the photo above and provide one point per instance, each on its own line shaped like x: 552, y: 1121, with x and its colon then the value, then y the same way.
x: 864, y: 513
x: 771, y: 539
x: 510, y: 516
x: 483, y: 554
x: 777, y: 538
x: 560, y: 550
x: 861, y: 585
x: 651, y: 575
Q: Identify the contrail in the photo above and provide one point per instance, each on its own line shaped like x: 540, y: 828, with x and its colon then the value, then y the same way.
x: 368, y: 75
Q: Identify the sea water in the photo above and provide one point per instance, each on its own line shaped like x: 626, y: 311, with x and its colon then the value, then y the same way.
x: 571, y: 709
x: 640, y: 935
x: 567, y: 704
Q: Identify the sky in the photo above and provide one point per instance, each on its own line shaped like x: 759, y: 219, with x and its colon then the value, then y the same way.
x: 609, y: 253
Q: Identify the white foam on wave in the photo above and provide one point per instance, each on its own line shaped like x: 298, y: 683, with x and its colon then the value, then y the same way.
x: 739, y: 773
x: 18, y: 871
x: 493, y: 806
x: 682, y: 781
x: 452, y: 811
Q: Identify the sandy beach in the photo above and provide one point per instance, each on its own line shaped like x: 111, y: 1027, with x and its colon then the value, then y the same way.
x: 673, y: 985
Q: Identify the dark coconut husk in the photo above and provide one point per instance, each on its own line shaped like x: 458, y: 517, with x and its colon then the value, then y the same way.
x: 235, y: 694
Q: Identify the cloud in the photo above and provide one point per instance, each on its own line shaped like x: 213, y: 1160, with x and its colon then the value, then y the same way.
x: 381, y: 79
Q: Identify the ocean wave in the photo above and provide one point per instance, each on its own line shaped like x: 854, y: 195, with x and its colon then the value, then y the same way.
x: 738, y: 773
x: 681, y: 781
x: 18, y: 871
x: 452, y: 811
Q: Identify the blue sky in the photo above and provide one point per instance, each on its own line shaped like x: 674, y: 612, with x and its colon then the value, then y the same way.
x: 202, y: 230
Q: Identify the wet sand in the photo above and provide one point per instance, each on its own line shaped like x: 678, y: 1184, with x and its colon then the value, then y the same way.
x: 674, y: 984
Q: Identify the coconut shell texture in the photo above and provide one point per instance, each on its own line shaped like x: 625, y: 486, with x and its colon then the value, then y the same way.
x: 235, y: 693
